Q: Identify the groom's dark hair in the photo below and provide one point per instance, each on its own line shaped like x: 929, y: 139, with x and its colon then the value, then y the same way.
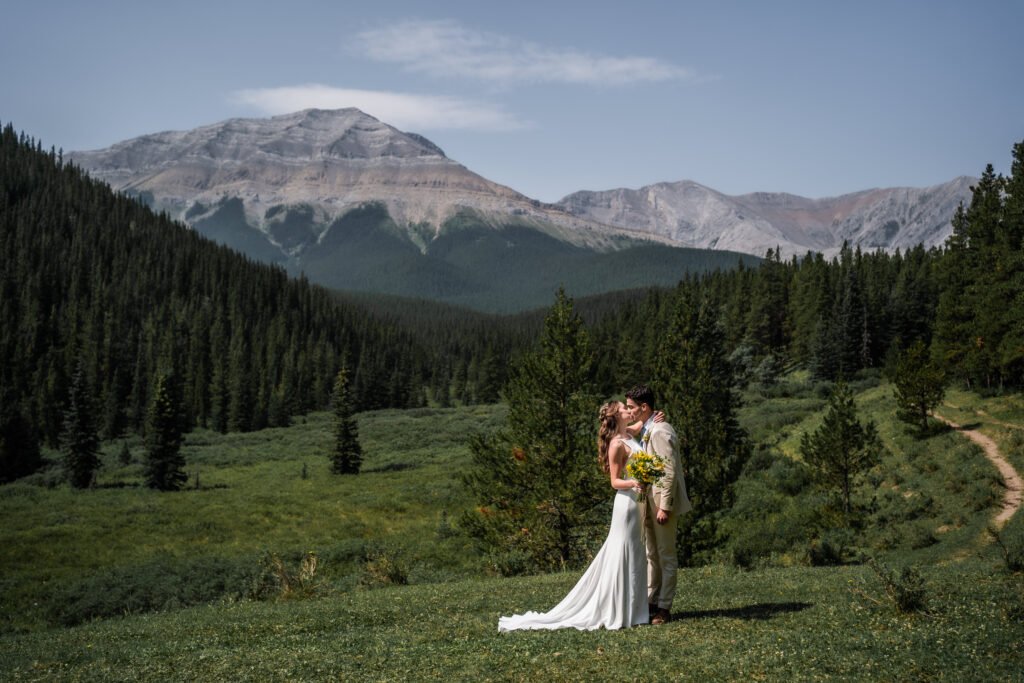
x: 641, y: 394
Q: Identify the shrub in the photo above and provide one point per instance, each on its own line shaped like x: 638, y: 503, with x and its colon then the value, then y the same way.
x: 1010, y: 541
x: 830, y: 549
x: 510, y: 563
x: 288, y: 582
x: 383, y: 568
x: 748, y: 551
x: 161, y: 584
x: 906, y: 590
x: 922, y: 536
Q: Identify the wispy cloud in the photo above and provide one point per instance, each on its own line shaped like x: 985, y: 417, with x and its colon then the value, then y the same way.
x: 448, y: 49
x: 408, y: 111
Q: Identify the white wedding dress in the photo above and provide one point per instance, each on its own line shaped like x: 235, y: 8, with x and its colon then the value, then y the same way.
x: 613, y: 591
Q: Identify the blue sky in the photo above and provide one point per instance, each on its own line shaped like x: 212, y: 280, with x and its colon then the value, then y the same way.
x: 813, y: 98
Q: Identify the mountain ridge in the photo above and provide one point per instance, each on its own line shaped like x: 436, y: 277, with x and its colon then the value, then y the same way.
x: 694, y: 215
x: 333, y: 160
x: 325, y: 163
x: 355, y: 203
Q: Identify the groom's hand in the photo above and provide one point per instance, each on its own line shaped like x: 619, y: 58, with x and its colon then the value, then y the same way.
x: 662, y: 516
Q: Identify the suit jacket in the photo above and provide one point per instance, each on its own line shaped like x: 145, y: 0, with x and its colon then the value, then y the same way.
x: 669, y: 493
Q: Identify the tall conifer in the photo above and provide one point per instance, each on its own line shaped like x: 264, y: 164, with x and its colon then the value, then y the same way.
x: 920, y: 386
x: 537, y: 483
x: 165, y: 464
x: 842, y: 448
x: 80, y: 440
x: 347, y: 454
x: 695, y: 385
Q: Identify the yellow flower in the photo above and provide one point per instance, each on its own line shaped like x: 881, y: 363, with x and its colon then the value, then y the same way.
x: 646, y: 468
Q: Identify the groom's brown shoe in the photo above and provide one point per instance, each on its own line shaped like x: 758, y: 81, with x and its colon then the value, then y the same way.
x: 662, y: 616
x: 652, y: 609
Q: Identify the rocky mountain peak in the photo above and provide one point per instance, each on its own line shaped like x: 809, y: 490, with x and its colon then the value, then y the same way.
x: 328, y: 161
x: 310, y: 135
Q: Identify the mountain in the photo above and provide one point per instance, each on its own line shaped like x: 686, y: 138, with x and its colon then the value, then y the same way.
x: 356, y: 204
x: 693, y: 215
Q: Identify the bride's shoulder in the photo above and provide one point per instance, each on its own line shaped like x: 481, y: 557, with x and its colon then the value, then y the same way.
x: 628, y: 443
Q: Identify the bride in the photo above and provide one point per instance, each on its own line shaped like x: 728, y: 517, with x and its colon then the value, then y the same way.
x: 613, y: 591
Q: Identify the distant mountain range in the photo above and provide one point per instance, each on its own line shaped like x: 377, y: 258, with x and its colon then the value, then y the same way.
x: 697, y: 216
x: 356, y: 204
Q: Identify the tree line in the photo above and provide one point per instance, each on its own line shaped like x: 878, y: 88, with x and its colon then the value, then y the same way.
x: 861, y: 310
x: 104, y: 301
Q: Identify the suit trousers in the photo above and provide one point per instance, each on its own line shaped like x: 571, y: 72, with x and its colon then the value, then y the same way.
x: 662, y: 560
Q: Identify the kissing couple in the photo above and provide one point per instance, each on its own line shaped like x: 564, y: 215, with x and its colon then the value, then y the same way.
x: 627, y: 583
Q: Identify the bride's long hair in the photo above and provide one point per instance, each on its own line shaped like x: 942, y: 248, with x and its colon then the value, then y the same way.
x: 608, y: 429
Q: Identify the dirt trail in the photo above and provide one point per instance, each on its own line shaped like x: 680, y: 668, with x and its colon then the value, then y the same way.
x: 1014, y: 495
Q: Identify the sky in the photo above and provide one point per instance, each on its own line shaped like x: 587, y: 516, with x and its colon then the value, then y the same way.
x: 815, y: 98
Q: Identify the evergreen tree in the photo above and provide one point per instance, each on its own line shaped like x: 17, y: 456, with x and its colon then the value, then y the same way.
x: 766, y: 323
x: 920, y: 386
x: 125, y: 456
x: 537, y: 483
x: 1011, y: 346
x: 695, y: 382
x: 842, y: 448
x: 165, y: 464
x: 80, y: 439
x: 347, y: 455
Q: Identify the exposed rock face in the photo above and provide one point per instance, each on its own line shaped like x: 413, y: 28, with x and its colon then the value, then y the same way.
x: 693, y: 215
x: 324, y: 162
x: 291, y: 177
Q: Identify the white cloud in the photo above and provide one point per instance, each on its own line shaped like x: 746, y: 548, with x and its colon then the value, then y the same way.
x: 446, y: 48
x: 402, y: 110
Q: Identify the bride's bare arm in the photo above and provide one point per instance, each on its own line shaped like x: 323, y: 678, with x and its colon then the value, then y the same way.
x: 617, y: 467
x: 635, y: 428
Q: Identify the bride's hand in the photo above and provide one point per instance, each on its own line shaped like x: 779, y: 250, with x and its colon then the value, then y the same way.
x: 659, y: 416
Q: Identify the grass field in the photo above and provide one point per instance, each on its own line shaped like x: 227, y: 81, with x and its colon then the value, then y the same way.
x: 184, y: 566
x: 776, y: 624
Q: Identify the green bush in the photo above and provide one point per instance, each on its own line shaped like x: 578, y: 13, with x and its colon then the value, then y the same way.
x: 905, y: 589
x: 384, y: 567
x: 288, y: 580
x: 513, y: 562
x: 921, y: 536
x: 1010, y: 541
x: 751, y: 549
x: 831, y: 549
x: 161, y: 584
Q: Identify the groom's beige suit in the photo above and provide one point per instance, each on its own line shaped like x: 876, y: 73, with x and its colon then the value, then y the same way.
x: 668, y: 494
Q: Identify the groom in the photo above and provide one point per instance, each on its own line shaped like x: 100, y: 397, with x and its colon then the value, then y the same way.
x: 666, y: 502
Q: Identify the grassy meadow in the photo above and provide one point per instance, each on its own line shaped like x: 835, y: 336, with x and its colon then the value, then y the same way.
x: 122, y: 583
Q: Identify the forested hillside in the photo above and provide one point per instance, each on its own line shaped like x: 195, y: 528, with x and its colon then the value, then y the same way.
x: 94, y: 285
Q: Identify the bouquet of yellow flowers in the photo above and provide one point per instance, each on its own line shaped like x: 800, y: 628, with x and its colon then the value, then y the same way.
x: 646, y: 468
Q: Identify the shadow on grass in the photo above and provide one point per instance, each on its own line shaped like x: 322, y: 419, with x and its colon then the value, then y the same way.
x: 764, y: 610
x: 391, y: 467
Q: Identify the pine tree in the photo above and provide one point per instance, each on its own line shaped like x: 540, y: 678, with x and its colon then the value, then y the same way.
x: 80, y: 438
x: 536, y: 482
x: 165, y: 464
x: 347, y: 455
x: 1011, y: 346
x: 842, y: 448
x: 920, y: 386
x: 695, y: 382
x: 766, y: 322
